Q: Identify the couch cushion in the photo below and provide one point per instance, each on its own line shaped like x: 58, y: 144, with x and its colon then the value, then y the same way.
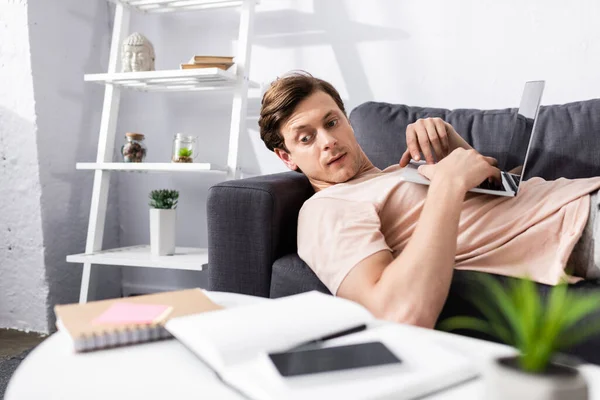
x: 569, y: 141
x: 566, y: 143
x: 291, y: 276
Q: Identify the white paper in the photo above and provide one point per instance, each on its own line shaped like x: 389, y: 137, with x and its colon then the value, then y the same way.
x: 230, y: 336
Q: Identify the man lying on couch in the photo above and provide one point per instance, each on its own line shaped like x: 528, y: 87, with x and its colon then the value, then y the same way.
x: 392, y: 245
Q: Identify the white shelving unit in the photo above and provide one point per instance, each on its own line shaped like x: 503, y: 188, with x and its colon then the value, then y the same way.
x: 187, y: 258
x: 170, y: 80
x: 163, y: 6
x: 153, y: 167
x: 235, y: 79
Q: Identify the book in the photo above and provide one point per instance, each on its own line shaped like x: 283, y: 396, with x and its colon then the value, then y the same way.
x: 118, y: 322
x: 210, y: 60
x: 235, y: 344
x: 197, y: 66
x: 133, y: 313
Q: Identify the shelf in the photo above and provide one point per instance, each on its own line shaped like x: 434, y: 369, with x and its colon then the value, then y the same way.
x: 187, y: 258
x: 152, y: 167
x: 164, y: 6
x: 177, y: 80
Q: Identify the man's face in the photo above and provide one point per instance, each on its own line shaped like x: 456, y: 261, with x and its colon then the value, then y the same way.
x: 320, y: 141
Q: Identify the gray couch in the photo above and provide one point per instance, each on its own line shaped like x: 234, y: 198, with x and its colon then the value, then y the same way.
x: 252, y: 222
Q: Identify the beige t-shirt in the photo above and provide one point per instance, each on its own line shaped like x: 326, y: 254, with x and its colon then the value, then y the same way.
x: 531, y: 234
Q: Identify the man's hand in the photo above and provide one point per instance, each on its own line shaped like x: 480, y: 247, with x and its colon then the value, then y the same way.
x: 467, y: 168
x: 432, y: 137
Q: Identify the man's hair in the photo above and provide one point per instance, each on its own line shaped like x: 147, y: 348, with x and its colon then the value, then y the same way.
x: 282, y: 98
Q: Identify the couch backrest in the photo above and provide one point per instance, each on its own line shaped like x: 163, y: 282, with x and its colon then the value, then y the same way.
x: 566, y: 142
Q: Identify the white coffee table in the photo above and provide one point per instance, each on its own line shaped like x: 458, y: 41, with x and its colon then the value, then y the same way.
x: 168, y: 370
x: 159, y: 370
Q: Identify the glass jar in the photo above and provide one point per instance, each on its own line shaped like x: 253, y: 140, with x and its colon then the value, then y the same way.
x: 184, y: 148
x: 134, y: 149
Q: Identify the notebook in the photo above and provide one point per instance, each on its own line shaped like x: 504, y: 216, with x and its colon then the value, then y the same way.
x: 133, y: 313
x: 119, y: 322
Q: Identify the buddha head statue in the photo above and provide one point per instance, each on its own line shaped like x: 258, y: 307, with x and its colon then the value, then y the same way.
x: 137, y: 54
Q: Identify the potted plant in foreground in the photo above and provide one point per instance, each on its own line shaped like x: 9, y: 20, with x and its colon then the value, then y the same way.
x: 163, y: 204
x: 538, y: 330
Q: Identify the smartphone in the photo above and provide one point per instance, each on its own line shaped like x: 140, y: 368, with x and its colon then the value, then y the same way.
x: 327, y: 359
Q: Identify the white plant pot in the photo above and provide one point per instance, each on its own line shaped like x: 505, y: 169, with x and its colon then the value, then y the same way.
x: 162, y: 231
x: 505, y: 381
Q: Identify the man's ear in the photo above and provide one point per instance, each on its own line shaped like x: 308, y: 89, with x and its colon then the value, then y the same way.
x: 286, y: 158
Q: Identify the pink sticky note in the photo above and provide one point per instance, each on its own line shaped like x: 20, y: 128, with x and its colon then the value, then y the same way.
x: 131, y: 313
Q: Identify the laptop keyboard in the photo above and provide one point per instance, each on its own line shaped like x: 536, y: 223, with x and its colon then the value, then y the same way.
x: 497, y: 185
x: 516, y: 178
x: 490, y: 185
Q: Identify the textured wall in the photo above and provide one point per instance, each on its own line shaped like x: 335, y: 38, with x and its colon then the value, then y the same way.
x: 68, y: 39
x: 23, y: 289
x: 49, y: 120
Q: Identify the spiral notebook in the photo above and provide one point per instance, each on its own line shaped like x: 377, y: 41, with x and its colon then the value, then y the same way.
x: 118, y: 322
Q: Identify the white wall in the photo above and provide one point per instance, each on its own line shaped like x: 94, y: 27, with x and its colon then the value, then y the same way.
x: 428, y: 52
x: 23, y: 288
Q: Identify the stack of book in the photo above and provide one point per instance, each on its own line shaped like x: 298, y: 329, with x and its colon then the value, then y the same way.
x: 208, y: 62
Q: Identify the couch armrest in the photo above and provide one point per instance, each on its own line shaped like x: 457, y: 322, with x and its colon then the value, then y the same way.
x: 251, y: 223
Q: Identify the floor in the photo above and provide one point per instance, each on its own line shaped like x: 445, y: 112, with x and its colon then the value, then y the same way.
x: 14, y: 346
x: 13, y: 342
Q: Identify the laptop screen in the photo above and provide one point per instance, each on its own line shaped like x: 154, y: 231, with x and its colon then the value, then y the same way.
x: 525, y: 120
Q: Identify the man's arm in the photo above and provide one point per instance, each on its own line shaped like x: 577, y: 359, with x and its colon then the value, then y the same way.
x: 413, y: 287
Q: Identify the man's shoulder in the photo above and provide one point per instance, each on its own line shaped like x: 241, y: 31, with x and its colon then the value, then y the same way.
x: 324, y: 200
x: 353, y: 190
x: 322, y: 209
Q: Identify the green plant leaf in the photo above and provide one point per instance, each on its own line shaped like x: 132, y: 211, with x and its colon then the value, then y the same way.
x: 496, y: 320
x: 576, y: 308
x: 507, y: 308
x: 552, y: 321
x: 529, y: 310
x: 476, y: 324
x: 185, y: 152
x: 163, y: 199
x: 579, y: 306
x: 572, y: 337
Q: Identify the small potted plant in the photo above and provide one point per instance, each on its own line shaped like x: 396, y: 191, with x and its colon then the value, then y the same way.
x: 538, y: 329
x: 163, y: 205
x: 184, y: 155
x: 184, y: 148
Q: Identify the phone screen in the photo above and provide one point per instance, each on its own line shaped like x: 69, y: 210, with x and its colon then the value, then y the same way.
x: 337, y: 358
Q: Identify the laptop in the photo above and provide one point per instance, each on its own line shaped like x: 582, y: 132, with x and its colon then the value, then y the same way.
x: 524, y: 124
